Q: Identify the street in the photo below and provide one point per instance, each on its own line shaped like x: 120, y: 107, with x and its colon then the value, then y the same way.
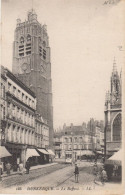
x: 62, y: 179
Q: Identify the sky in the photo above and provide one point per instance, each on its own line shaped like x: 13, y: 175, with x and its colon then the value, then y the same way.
x: 84, y: 36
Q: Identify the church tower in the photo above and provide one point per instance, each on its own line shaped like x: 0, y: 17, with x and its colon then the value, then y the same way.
x: 32, y: 63
x: 113, y: 113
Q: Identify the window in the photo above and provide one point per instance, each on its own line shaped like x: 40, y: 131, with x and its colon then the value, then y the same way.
x: 9, y: 87
x: 80, y: 146
x: 40, y: 51
x: 28, y: 52
x: 75, y: 139
x: 21, y: 54
x: 2, y: 91
x: 13, y: 111
x: 28, y: 38
x: 22, y: 96
x: 117, y: 128
x: 33, y: 104
x: 26, y: 99
x: 29, y: 102
x: 44, y: 54
x: 21, y: 40
x: 75, y: 146
x: 14, y: 90
x: 18, y: 94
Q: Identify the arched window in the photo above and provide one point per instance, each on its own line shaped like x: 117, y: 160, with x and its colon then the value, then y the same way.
x: 117, y: 128
x: 28, y: 38
x: 21, y: 40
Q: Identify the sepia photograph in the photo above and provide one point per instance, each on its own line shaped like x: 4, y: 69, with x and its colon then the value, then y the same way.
x: 61, y: 97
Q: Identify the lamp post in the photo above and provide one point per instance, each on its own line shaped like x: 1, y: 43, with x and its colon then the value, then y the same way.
x: 72, y: 148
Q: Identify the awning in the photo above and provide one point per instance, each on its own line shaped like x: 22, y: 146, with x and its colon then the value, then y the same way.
x: 51, y: 152
x: 115, y: 159
x: 84, y: 152
x: 99, y: 152
x: 4, y: 152
x: 87, y: 152
x: 43, y: 151
x: 31, y: 152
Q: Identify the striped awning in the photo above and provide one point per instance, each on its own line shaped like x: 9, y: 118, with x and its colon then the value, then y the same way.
x: 4, y: 152
x: 51, y: 152
x: 31, y: 153
x: 115, y: 159
x: 43, y: 151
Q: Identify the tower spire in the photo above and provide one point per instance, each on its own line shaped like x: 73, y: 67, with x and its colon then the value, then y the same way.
x: 114, y: 66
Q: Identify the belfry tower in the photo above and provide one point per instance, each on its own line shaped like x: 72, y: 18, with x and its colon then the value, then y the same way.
x: 32, y: 63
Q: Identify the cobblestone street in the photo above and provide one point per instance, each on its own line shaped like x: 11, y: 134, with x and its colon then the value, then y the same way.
x: 57, y: 177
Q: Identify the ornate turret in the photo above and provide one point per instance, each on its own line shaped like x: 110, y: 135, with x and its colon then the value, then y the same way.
x: 115, y: 85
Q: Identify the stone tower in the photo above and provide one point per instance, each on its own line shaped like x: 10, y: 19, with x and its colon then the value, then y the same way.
x: 113, y: 113
x: 32, y: 63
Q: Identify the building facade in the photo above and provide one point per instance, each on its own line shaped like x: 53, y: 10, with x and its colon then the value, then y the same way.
x: 3, y: 106
x: 78, y: 141
x: 113, y: 113
x: 32, y: 64
x: 41, y: 133
x: 22, y: 129
x: 20, y: 118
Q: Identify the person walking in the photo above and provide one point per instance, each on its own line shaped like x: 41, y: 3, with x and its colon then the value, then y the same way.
x: 103, y: 176
x: 27, y: 166
x: 8, y: 167
x: 76, y: 173
x: 95, y: 172
x: 21, y: 168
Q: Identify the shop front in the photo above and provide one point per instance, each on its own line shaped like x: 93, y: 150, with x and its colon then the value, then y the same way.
x: 44, y: 156
x: 17, y: 155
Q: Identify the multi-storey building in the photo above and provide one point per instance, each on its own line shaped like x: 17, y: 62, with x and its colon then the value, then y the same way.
x: 78, y: 140
x: 41, y: 133
x: 22, y: 129
x: 113, y: 114
x: 58, y: 144
x: 20, y: 118
x: 3, y: 106
x: 32, y: 64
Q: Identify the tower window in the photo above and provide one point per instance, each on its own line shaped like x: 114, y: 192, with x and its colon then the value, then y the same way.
x: 40, y: 50
x: 28, y: 52
x: 21, y: 54
x: 28, y: 48
x: 21, y: 46
x: 28, y: 38
x: 21, y: 40
x: 28, y: 44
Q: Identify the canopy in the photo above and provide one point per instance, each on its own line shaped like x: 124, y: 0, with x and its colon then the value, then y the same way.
x: 99, y: 152
x: 31, y: 152
x: 87, y: 152
x: 84, y: 152
x: 115, y: 159
x: 51, y: 152
x: 4, y: 152
x: 43, y: 151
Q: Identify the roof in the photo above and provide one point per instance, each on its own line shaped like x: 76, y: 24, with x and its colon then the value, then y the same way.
x: 18, y: 82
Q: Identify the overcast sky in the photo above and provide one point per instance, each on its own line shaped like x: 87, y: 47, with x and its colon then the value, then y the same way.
x: 84, y: 37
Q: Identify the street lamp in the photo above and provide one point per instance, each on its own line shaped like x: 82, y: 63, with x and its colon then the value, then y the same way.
x: 72, y: 147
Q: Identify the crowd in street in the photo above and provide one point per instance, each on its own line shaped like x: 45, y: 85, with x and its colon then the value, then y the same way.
x: 21, y: 168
